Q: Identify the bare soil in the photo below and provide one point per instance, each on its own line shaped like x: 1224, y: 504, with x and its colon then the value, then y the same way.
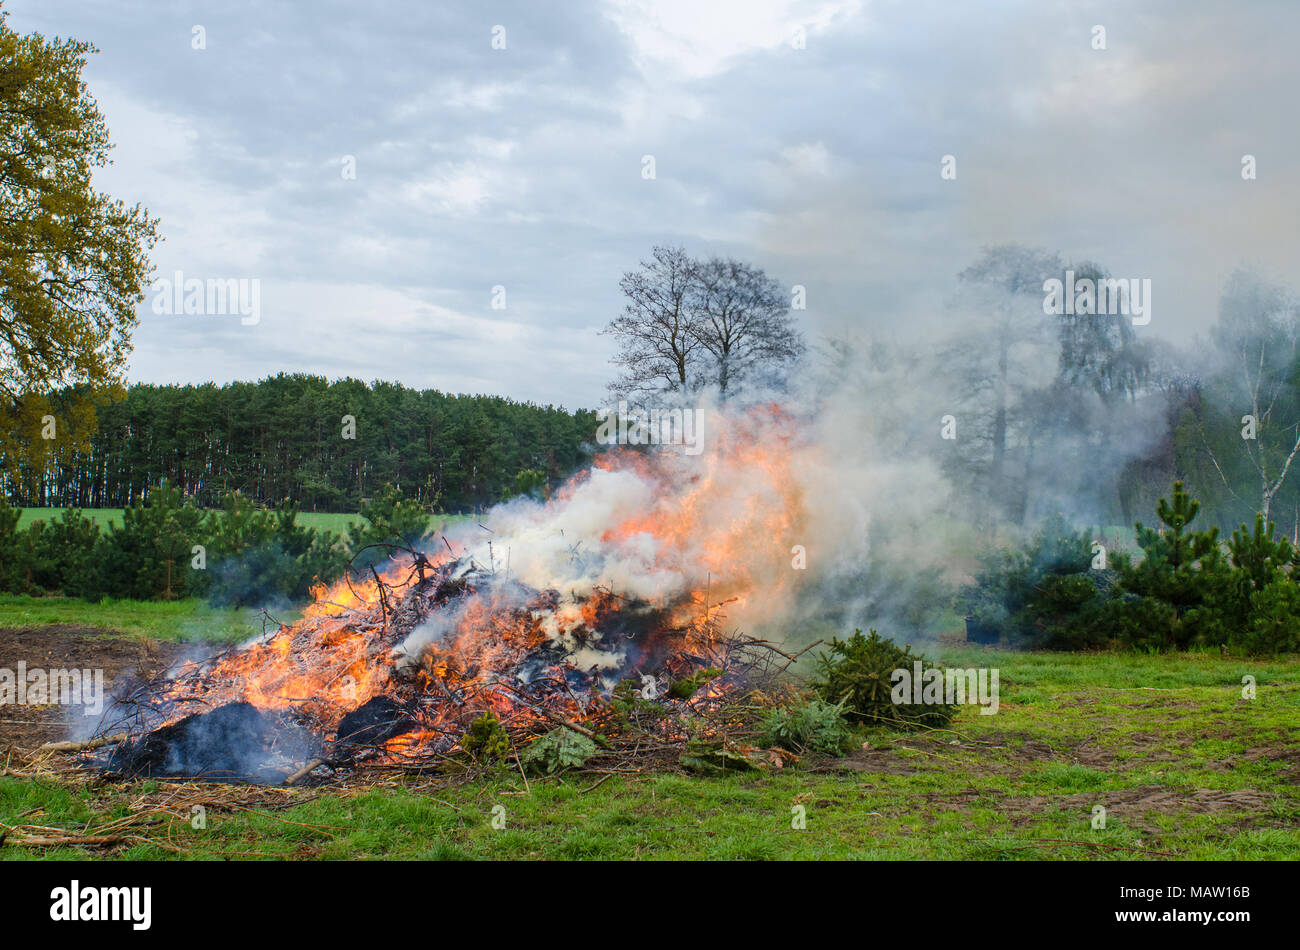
x: 64, y: 646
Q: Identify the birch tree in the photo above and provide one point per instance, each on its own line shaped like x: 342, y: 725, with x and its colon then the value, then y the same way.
x: 1258, y: 332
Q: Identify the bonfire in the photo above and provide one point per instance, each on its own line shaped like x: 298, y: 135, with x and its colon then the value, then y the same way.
x: 620, y: 585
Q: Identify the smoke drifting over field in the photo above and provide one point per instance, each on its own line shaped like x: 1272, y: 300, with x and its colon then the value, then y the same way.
x: 819, y: 504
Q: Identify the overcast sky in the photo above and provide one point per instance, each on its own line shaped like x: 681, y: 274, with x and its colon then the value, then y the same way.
x: 522, y: 166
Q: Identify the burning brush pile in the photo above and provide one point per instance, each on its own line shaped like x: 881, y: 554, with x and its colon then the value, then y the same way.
x: 602, y: 612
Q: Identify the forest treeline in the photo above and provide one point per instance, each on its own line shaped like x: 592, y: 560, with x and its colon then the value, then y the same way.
x: 325, y: 446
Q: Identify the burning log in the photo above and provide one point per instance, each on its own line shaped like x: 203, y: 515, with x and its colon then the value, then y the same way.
x: 375, y: 722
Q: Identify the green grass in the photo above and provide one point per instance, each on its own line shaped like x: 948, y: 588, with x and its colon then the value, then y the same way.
x: 1185, y: 766
x: 189, y: 619
x: 324, y: 520
x: 101, y: 516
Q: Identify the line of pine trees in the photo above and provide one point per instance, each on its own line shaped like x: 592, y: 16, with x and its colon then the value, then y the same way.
x: 1189, y: 589
x: 325, y: 446
x: 168, y: 548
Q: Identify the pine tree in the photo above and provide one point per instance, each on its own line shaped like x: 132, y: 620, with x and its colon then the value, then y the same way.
x: 148, y: 555
x: 1262, y: 603
x: 1180, y: 582
x: 1259, y: 555
x: 389, y: 518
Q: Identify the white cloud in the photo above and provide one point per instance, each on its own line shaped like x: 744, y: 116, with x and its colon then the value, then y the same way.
x: 807, y: 159
x: 696, y: 39
x: 455, y: 189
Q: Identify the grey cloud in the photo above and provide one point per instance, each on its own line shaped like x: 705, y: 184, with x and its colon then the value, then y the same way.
x: 522, y: 168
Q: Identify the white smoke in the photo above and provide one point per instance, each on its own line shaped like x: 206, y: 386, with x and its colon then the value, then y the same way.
x: 819, y: 473
x: 564, y: 546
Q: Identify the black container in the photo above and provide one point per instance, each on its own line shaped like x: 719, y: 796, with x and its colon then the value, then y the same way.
x: 978, y: 633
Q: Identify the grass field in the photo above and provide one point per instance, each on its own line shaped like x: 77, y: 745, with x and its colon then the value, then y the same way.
x: 1184, y: 765
x: 189, y: 619
x: 331, y: 521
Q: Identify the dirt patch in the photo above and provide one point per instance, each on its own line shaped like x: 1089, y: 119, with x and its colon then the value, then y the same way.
x: 1148, y: 746
x: 882, y: 760
x: 1134, y: 804
x: 62, y: 646
x: 1015, y: 749
x: 1286, y: 756
x: 1012, y: 752
x: 1020, y: 749
x: 1034, y: 750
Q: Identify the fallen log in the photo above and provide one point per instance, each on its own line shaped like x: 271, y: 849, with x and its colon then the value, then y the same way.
x: 303, y: 772
x: 85, y: 746
x: 36, y: 841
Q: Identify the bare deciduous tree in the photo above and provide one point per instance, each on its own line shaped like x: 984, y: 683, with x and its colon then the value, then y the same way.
x: 743, y: 321
x: 657, y: 345
x: 689, y: 324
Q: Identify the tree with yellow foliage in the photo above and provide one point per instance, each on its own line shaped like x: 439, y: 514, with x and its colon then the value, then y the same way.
x: 74, y: 261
